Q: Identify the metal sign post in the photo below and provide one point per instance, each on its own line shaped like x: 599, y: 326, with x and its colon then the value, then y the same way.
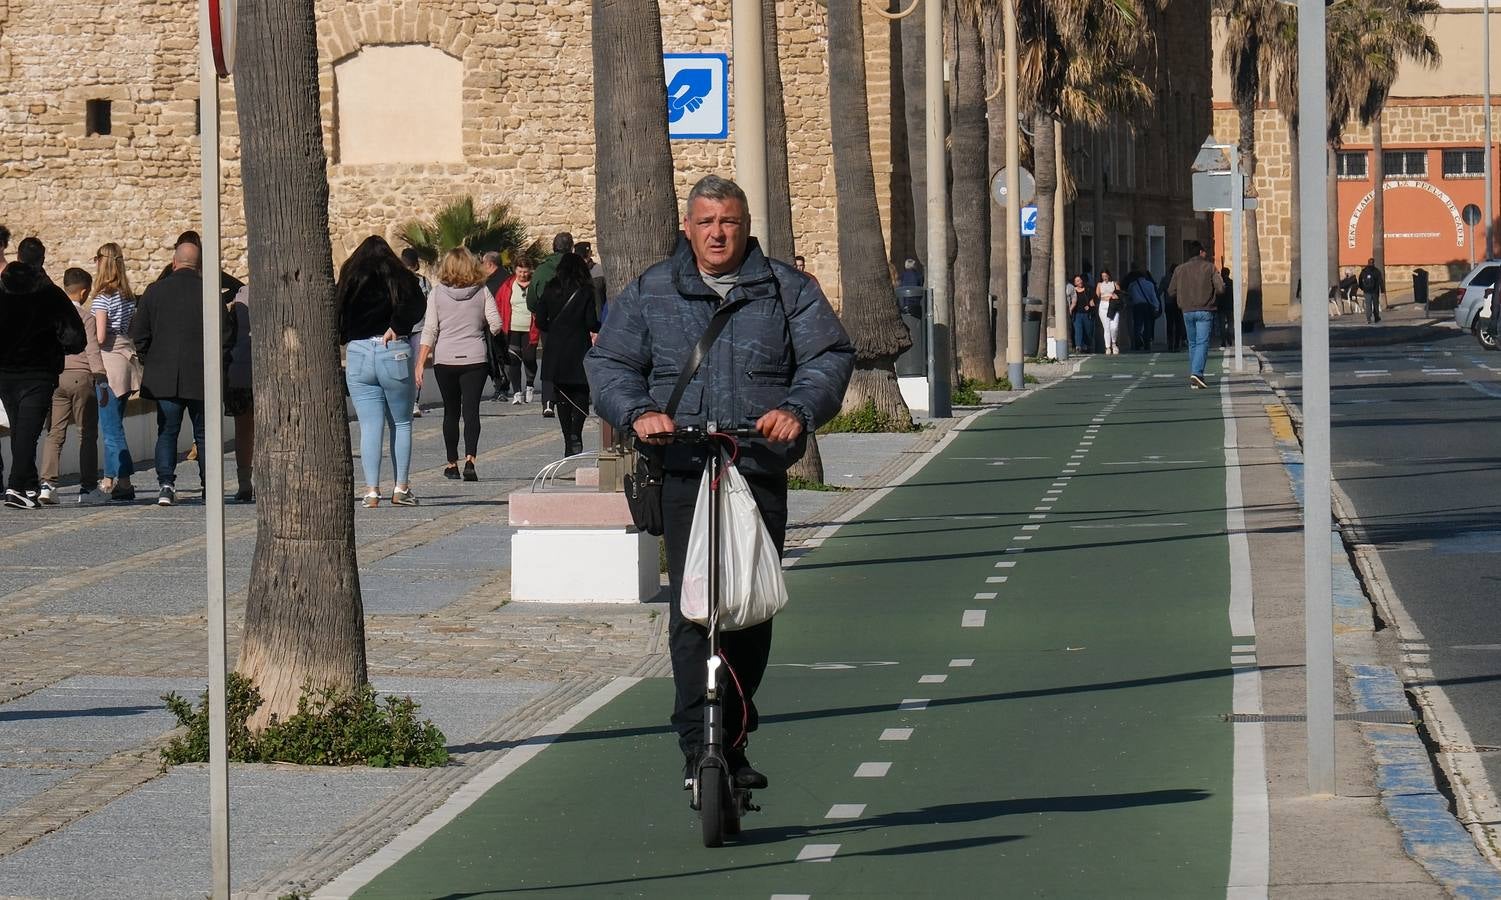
x: 1014, y: 350
x: 1318, y: 590
x: 216, y: 19
x: 750, y: 111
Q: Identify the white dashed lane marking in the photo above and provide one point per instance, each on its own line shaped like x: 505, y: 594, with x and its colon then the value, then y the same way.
x: 960, y: 663
x: 1006, y: 564
x: 1023, y: 537
x: 985, y: 595
x: 974, y: 618
x: 933, y: 679
x: 1030, y: 527
x: 996, y: 579
x: 791, y: 897
x: 896, y: 734
x: 817, y: 853
x: 845, y: 811
x: 913, y: 704
x: 1037, y: 516
x: 873, y: 770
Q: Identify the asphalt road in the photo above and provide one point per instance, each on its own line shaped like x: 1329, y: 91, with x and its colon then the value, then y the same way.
x: 1416, y: 444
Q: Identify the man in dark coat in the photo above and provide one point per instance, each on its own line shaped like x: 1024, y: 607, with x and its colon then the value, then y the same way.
x: 39, y: 328
x: 1371, y: 284
x: 168, y: 335
x: 781, y: 364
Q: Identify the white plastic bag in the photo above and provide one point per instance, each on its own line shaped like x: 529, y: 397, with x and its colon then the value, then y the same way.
x: 752, y: 589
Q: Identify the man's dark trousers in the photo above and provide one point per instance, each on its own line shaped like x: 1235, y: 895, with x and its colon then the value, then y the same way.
x: 169, y: 413
x: 1372, y: 309
x: 27, y: 401
x: 746, y: 650
x: 1144, y: 323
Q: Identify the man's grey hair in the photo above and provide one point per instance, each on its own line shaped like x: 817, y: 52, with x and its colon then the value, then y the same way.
x: 713, y: 187
x: 492, y: 257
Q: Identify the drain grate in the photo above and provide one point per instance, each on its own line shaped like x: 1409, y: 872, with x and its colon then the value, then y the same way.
x: 1373, y: 717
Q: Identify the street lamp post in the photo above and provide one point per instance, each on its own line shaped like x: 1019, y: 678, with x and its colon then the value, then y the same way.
x: 750, y: 111
x: 1014, y: 353
x: 940, y: 398
x: 1318, y: 612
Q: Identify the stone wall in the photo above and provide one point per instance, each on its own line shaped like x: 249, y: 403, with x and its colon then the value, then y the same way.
x: 527, y: 134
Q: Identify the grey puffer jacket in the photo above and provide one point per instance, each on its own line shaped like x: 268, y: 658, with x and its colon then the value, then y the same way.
x: 783, y: 347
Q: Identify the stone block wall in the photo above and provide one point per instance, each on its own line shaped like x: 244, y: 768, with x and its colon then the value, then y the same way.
x: 527, y: 134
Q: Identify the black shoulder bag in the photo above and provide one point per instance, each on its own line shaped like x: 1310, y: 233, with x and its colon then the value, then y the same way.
x: 643, y: 485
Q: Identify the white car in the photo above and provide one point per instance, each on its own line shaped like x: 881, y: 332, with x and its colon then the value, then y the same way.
x: 1475, y: 301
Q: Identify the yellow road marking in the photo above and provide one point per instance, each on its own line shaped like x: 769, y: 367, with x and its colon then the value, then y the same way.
x: 1282, y: 423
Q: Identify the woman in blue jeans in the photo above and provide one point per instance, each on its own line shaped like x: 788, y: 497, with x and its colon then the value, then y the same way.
x: 113, y: 306
x: 379, y: 303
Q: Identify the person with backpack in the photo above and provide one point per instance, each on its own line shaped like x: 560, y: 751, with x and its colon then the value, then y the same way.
x: 1146, y: 306
x: 1371, y: 284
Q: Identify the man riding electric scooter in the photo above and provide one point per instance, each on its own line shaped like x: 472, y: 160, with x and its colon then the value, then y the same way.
x: 753, y: 343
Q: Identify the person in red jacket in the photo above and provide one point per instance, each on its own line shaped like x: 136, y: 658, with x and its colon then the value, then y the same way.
x: 520, y: 331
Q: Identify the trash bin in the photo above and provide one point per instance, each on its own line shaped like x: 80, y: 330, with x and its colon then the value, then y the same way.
x: 912, y: 301
x: 1032, y: 314
x: 1420, y: 286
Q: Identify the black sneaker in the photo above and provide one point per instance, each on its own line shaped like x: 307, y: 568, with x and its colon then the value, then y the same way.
x: 740, y: 768
x: 451, y: 471
x: 22, y: 500
x: 547, y: 411
x: 1197, y: 381
x: 166, y: 496
x: 469, y: 473
x: 245, y: 495
x: 690, y: 769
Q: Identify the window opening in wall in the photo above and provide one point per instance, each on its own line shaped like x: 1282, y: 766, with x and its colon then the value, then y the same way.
x: 1354, y: 164
x: 1412, y: 163
x: 96, y: 117
x: 198, y: 117
x: 1467, y: 163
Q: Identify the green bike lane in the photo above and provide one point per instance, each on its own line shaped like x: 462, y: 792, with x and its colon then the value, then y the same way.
x: 1004, y: 678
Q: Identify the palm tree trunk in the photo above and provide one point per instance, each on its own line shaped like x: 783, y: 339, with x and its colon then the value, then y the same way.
x: 1045, y: 161
x: 779, y: 238
x: 903, y: 214
x: 780, y: 243
x: 1378, y: 202
x: 914, y: 92
x: 635, y: 210
x: 868, y: 307
x: 999, y: 222
x: 304, y: 620
x: 1247, y: 115
x: 1331, y: 196
x: 1296, y: 290
x: 969, y: 165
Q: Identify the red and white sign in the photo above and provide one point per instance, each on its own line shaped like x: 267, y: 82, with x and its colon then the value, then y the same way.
x: 221, y: 24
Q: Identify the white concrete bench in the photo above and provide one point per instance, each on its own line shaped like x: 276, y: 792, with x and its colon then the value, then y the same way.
x: 579, y: 546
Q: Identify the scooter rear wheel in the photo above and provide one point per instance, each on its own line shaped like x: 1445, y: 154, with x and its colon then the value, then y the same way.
x: 713, y: 803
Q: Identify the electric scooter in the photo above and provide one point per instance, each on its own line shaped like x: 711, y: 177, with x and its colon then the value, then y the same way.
x: 719, y: 802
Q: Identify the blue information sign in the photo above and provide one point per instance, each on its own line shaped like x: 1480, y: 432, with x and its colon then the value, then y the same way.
x: 698, y: 96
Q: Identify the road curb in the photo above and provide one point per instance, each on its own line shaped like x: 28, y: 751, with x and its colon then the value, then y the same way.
x: 1406, y: 777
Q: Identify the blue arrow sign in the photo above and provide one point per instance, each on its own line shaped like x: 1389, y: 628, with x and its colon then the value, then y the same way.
x: 1029, y: 221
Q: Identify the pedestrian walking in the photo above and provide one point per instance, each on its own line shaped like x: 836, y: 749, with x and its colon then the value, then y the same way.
x: 519, y: 331
x: 568, y: 319
x: 413, y: 262
x: 782, y: 363
x: 1146, y: 306
x: 496, y: 356
x: 74, y: 402
x: 1224, y: 310
x: 239, y: 396
x: 38, y: 329
x: 379, y: 302
x: 461, y: 316
x: 114, y: 308
x: 1176, y: 335
x: 1195, y: 286
x: 168, y: 335
x: 1081, y: 307
x: 1371, y: 285
x: 585, y: 251
x: 1107, y: 291
x: 562, y: 245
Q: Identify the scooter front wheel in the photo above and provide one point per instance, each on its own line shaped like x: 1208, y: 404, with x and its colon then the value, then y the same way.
x: 713, y: 803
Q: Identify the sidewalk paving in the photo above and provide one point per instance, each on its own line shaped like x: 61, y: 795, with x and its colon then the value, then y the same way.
x: 101, y: 617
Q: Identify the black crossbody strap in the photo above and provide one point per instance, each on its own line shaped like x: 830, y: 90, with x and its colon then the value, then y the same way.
x: 696, y: 358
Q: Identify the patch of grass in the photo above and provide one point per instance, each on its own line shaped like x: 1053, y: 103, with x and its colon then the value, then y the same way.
x: 330, y: 728
x: 794, y: 483
x: 864, y: 420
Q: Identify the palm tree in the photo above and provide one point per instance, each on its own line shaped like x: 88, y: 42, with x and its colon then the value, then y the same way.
x: 780, y: 243
x: 635, y: 209
x: 459, y: 225
x: 304, y: 619
x: 868, y: 309
x: 1081, y: 64
x: 1249, y: 60
x: 1389, y: 31
x: 970, y: 214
